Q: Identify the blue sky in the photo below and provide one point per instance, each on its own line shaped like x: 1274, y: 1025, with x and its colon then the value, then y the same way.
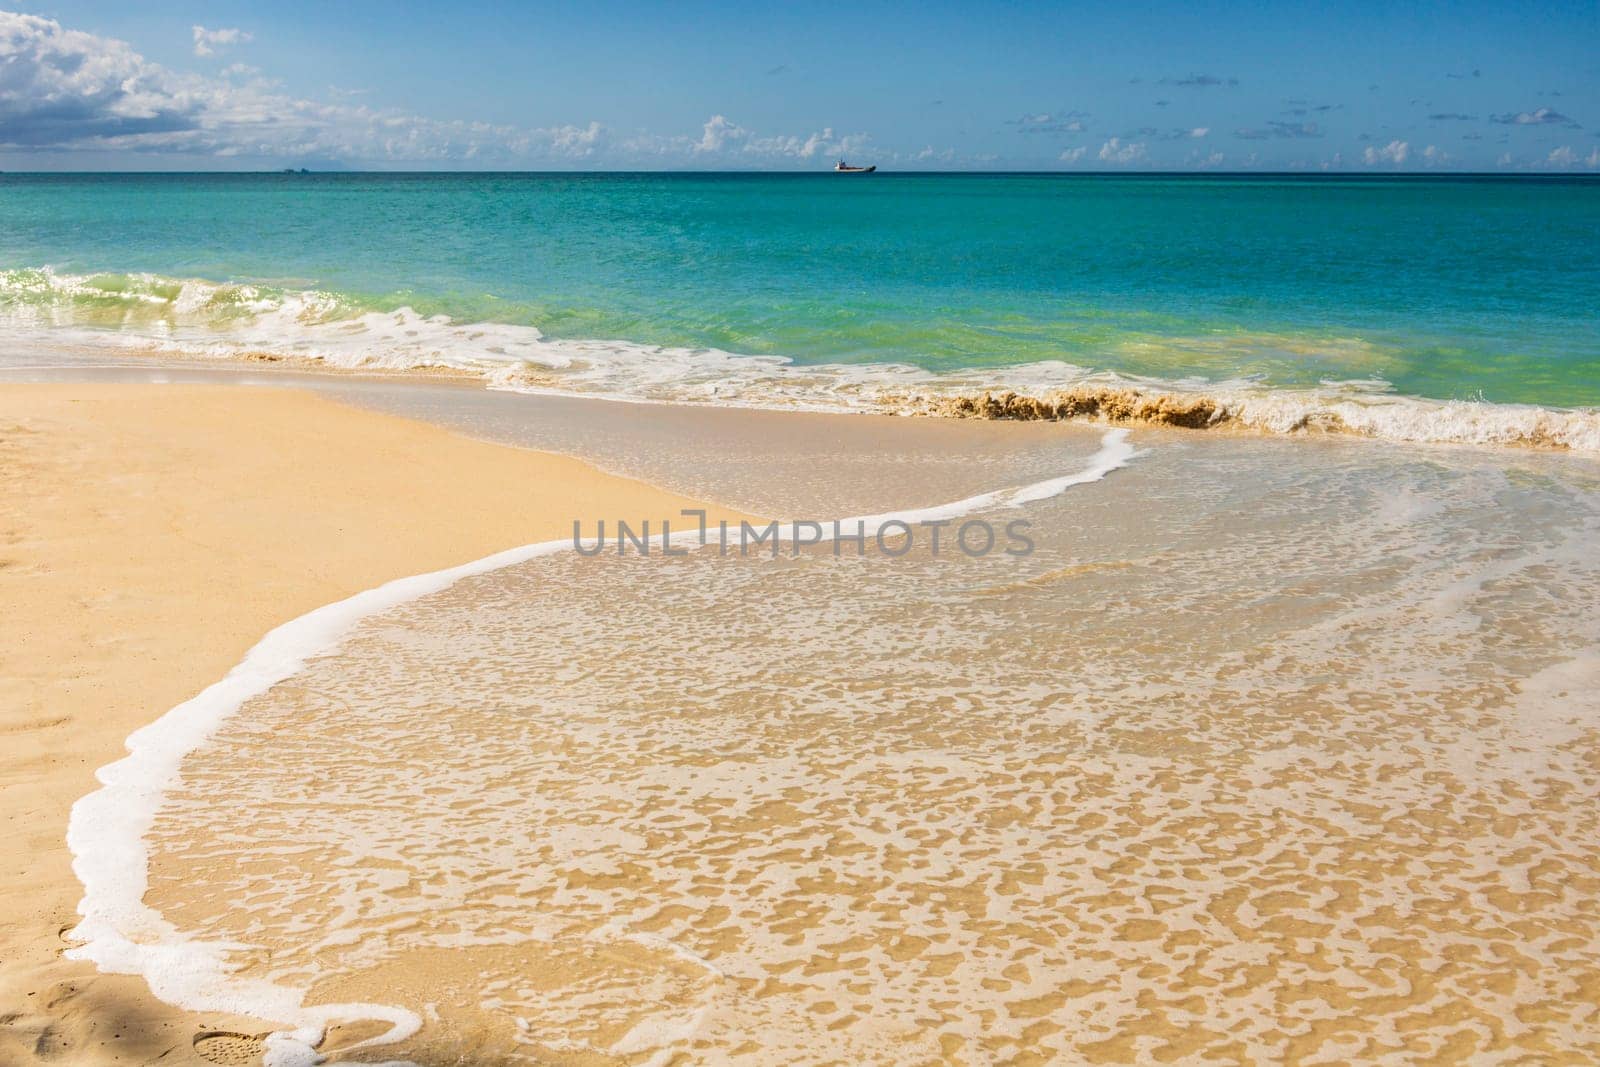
x: 601, y: 85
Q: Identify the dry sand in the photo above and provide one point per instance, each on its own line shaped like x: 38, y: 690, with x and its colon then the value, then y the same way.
x: 149, y: 535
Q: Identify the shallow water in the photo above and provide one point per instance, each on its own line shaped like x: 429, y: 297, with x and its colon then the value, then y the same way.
x: 1386, y: 307
x: 1270, y: 749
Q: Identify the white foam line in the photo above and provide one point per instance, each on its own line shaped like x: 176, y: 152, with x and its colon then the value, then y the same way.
x: 121, y: 934
x: 228, y: 321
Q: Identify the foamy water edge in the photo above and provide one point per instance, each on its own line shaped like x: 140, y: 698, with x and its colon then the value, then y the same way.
x: 142, y: 313
x: 106, y: 831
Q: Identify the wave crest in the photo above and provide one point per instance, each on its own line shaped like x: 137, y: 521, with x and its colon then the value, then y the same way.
x: 258, y: 322
x: 1376, y: 415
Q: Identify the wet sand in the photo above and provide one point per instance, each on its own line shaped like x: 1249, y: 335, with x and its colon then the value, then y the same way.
x: 1272, y: 752
x: 149, y: 536
x: 1276, y: 750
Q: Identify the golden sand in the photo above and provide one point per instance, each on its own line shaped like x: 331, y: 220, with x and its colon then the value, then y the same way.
x: 762, y: 811
x: 149, y: 535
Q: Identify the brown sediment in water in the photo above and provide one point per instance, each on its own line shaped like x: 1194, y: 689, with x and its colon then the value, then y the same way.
x: 1390, y: 418
x: 1113, y: 405
x: 1265, y: 412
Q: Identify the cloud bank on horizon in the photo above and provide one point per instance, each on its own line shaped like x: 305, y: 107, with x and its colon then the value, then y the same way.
x: 75, y: 99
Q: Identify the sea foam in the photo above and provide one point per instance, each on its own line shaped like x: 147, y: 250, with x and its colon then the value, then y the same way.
x: 108, y: 828
x: 145, y: 313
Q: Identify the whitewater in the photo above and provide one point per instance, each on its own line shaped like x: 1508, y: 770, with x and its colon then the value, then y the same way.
x: 189, y: 318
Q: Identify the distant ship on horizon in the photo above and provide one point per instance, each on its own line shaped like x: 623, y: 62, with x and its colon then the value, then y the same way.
x: 842, y: 167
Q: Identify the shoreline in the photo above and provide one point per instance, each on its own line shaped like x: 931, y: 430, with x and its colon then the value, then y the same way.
x: 438, y: 349
x: 1236, y: 495
x: 108, y: 828
x: 149, y: 549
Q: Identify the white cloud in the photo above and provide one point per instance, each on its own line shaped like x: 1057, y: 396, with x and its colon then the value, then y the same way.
x: 1072, y: 155
x: 1115, y: 151
x: 717, y: 132
x: 1504, y: 160
x: 929, y: 154
x: 1394, y: 152
x: 822, y: 143
x: 1045, y: 123
x: 1199, y: 131
x: 1544, y: 116
x: 61, y: 85
x: 206, y: 42
x: 722, y: 138
x: 576, y: 141
x: 1593, y: 161
x: 64, y: 90
x: 816, y: 143
x: 1434, y: 155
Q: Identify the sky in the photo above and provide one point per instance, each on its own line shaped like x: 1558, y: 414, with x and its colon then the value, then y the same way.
x: 353, y: 84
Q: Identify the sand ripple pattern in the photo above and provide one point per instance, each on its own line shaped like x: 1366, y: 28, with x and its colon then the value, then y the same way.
x: 1302, y: 771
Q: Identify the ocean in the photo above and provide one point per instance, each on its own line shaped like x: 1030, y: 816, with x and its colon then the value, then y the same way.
x: 1418, y: 308
x: 1277, y: 744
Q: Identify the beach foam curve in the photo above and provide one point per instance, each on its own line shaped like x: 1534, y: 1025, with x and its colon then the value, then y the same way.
x: 146, y: 313
x: 107, y: 830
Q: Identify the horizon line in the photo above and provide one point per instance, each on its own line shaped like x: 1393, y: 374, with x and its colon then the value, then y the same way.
x: 1106, y: 173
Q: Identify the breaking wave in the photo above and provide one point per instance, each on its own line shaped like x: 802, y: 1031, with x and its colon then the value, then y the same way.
x: 145, y: 313
x: 1332, y: 410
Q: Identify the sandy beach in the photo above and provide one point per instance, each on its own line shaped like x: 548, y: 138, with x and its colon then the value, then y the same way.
x: 151, y: 535
x: 742, y: 808
x: 662, y: 538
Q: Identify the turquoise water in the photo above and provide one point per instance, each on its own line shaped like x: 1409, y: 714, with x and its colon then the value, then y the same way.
x: 1450, y: 289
